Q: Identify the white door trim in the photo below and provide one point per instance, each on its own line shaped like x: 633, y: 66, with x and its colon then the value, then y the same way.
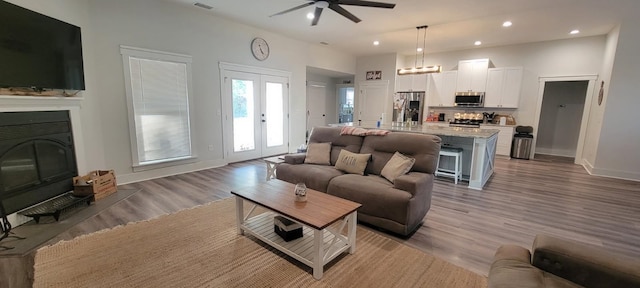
x: 585, y: 113
x: 225, y: 67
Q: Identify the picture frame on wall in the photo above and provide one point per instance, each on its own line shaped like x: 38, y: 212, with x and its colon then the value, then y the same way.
x: 374, y: 75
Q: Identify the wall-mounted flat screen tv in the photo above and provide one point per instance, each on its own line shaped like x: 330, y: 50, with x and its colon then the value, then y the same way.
x: 39, y: 52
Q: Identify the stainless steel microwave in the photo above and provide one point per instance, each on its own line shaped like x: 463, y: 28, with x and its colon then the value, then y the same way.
x: 469, y: 99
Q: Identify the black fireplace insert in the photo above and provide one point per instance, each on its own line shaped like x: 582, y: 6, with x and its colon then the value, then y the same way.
x: 37, y: 157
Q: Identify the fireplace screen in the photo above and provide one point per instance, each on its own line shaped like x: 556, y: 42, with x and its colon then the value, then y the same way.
x: 37, y: 159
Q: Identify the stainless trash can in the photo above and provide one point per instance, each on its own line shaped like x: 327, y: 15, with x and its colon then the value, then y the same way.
x: 522, y: 141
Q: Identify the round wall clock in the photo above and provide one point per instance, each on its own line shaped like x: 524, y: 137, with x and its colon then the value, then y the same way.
x: 260, y: 48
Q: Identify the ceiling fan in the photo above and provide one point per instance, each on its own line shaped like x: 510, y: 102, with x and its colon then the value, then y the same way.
x: 335, y: 6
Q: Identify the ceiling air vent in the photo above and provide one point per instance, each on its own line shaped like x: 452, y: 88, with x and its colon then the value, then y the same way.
x: 201, y: 5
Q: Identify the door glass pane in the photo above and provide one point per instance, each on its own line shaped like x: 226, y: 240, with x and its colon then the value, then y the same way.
x: 243, y: 115
x: 274, y: 114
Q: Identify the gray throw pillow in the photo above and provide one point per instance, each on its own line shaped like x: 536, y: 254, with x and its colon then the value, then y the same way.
x: 398, y: 165
x: 318, y: 153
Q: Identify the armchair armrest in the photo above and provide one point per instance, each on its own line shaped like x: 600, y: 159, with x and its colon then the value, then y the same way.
x: 583, y: 264
x: 414, y: 182
x: 297, y: 158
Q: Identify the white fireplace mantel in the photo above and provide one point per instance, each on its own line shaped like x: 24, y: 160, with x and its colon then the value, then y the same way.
x: 12, y: 103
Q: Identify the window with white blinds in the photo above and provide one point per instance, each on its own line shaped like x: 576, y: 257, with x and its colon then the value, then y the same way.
x: 158, y: 101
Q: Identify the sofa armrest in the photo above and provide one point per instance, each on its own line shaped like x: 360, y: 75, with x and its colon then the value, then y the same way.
x: 583, y: 264
x: 413, y: 182
x: 297, y: 158
x: 512, y: 267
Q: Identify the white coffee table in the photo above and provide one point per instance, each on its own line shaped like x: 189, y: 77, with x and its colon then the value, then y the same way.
x: 324, y: 218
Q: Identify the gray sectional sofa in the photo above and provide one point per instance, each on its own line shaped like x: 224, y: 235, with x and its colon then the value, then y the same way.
x: 398, y: 207
x: 558, y: 262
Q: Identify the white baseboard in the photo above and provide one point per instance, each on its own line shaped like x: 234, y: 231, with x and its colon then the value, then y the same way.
x: 610, y: 173
x: 587, y: 166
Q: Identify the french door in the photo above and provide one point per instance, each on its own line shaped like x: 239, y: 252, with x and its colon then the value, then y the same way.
x: 255, y: 115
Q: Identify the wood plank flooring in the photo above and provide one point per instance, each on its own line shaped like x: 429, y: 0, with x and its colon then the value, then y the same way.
x: 464, y: 226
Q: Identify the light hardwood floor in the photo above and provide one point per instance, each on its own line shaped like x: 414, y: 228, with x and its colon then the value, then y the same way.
x: 464, y: 226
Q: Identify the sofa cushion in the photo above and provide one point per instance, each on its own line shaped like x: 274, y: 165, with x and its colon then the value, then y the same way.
x: 376, y: 194
x: 314, y: 176
x: 418, y: 146
x: 338, y: 142
x: 396, y: 166
x: 352, y: 162
x: 318, y: 153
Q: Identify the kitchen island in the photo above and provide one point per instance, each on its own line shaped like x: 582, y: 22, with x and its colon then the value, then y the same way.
x: 479, y: 148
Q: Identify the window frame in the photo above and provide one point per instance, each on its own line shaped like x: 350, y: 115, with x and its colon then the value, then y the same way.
x: 127, y: 52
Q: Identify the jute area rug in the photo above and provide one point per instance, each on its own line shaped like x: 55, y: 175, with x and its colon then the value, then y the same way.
x: 199, y: 247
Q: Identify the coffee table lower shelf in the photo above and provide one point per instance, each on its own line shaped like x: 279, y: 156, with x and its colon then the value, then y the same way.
x: 306, y: 249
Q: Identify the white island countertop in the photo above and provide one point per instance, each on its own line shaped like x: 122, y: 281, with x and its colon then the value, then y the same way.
x: 433, y: 129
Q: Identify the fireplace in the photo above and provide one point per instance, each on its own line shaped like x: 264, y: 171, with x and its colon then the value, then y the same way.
x: 37, y: 157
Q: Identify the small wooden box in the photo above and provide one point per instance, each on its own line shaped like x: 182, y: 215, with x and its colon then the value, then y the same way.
x: 100, y: 183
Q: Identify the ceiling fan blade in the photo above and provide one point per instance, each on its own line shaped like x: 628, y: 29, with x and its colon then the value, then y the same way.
x: 293, y: 9
x: 345, y: 13
x: 316, y: 16
x: 366, y: 3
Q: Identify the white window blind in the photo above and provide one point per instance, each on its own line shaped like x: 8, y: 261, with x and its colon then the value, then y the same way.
x: 158, y: 95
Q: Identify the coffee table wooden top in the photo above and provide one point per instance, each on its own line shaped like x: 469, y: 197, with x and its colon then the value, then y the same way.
x: 320, y: 210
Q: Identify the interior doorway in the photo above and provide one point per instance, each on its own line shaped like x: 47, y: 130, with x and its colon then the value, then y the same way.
x: 316, y: 105
x: 346, y: 102
x: 562, y: 116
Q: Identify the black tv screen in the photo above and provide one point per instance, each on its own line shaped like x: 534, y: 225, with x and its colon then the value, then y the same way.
x: 37, y: 51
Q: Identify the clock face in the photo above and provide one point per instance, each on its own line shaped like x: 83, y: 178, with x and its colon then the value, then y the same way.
x: 260, y: 49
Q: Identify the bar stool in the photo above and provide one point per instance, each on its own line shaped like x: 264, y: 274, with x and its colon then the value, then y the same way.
x: 455, y: 152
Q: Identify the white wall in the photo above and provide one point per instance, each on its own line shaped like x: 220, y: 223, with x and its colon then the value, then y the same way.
x: 75, y: 12
x: 385, y: 63
x: 596, y: 115
x: 184, y: 29
x: 617, y: 152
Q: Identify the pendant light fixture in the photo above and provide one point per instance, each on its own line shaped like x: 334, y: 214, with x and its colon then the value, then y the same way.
x: 420, y: 69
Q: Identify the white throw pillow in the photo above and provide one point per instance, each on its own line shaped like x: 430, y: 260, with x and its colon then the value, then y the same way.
x: 318, y: 153
x: 352, y: 162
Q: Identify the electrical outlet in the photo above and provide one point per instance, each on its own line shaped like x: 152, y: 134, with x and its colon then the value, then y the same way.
x: 211, y: 147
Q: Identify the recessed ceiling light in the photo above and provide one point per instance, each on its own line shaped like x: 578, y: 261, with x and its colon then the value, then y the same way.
x: 419, y: 49
x: 310, y: 16
x: 507, y: 24
x: 574, y: 32
x: 477, y: 43
x: 376, y: 43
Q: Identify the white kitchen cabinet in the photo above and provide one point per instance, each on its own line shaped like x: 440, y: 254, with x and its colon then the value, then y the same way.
x: 413, y: 82
x: 503, y: 145
x: 472, y: 75
x: 503, y: 87
x: 441, y: 89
